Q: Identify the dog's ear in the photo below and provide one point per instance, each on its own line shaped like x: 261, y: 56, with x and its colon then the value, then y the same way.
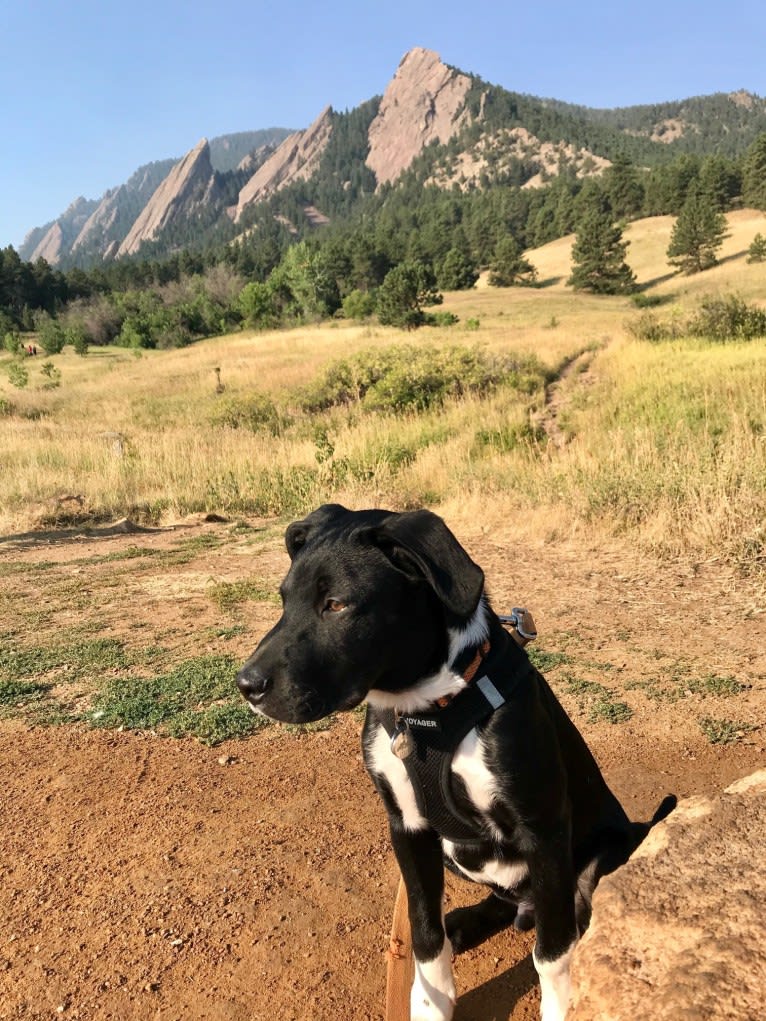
x: 419, y: 544
x: 298, y: 532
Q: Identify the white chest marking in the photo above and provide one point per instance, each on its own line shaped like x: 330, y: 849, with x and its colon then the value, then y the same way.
x: 470, y: 765
x: 386, y: 764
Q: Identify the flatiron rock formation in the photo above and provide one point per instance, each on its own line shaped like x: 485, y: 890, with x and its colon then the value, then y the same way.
x: 295, y: 159
x: 189, y: 185
x: 55, y: 238
x: 680, y: 931
x: 423, y: 103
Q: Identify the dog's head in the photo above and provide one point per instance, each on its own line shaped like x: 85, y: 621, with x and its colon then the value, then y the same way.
x: 367, y: 603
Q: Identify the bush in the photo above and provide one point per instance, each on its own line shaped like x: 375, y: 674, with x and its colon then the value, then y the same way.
x: 649, y: 326
x: 359, y: 304
x: 442, y: 319
x: 17, y: 375
x: 642, y: 300
x: 49, y: 333
x: 254, y: 411
x: 408, y: 378
x: 728, y: 318
x: 12, y: 342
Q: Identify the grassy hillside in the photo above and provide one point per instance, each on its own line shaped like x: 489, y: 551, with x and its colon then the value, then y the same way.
x: 584, y: 428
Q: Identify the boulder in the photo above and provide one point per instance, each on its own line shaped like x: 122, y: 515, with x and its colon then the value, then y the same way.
x: 679, y: 933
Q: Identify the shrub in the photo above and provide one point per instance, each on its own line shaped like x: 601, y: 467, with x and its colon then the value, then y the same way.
x: 359, y: 304
x: 49, y: 333
x: 254, y: 411
x: 728, y: 318
x: 649, y: 326
x: 642, y: 300
x: 408, y: 378
x: 12, y: 342
x: 18, y: 375
x: 442, y: 319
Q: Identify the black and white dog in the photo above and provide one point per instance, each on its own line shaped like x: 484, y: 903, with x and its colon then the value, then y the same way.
x: 477, y: 763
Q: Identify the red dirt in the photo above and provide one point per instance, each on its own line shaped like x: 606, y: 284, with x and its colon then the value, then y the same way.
x: 148, y: 878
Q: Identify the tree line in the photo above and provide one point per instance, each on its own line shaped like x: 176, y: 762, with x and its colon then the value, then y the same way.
x: 431, y: 239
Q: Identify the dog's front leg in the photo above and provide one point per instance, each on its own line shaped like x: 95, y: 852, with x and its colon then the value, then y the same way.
x: 553, y: 887
x: 420, y: 859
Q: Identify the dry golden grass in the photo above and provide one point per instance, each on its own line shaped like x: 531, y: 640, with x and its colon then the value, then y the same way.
x: 648, y: 243
x: 665, y: 441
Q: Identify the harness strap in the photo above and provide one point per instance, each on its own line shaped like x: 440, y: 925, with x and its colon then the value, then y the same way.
x: 438, y: 734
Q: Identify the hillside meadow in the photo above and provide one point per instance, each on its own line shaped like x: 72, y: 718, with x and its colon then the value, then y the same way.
x: 538, y: 403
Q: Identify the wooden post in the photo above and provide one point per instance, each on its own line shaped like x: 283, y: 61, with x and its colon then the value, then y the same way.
x: 400, y: 968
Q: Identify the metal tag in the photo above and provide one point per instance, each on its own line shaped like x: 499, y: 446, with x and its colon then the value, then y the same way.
x: 402, y: 741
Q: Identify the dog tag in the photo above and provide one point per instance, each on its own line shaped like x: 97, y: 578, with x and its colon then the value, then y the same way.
x: 402, y: 741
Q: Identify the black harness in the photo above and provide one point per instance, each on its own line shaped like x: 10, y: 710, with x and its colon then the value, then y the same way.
x: 436, y: 736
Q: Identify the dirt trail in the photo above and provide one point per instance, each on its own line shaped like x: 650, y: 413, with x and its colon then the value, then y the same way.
x: 147, y: 878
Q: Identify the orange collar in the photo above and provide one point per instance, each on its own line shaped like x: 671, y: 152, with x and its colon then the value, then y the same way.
x: 469, y: 673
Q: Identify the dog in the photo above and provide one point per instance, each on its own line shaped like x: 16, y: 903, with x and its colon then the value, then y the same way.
x: 478, y: 765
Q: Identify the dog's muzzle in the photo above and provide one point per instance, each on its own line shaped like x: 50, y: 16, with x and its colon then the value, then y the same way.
x: 253, y: 685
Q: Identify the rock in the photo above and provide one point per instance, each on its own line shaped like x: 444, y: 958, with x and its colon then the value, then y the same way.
x: 294, y: 160
x: 679, y: 933
x: 423, y: 103
x: 190, y: 184
x: 49, y: 248
x: 59, y: 234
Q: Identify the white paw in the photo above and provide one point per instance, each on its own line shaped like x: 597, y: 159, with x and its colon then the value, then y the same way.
x: 433, y: 991
x: 555, y: 986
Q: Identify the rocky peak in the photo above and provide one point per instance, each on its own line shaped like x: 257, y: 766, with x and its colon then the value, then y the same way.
x: 743, y: 98
x: 423, y: 103
x: 49, y: 246
x: 187, y: 185
x: 294, y: 160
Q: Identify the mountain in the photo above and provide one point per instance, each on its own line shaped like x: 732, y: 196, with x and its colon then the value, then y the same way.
x: 446, y: 127
x: 94, y: 229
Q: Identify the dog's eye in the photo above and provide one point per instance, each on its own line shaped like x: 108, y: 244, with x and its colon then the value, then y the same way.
x: 333, y: 606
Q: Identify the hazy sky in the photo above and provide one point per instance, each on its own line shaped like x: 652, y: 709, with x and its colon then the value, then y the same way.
x: 91, y: 89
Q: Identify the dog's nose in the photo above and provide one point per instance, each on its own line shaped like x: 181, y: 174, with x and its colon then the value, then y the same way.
x: 252, y: 683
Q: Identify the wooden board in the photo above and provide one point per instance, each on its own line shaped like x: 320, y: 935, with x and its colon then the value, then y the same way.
x: 400, y: 967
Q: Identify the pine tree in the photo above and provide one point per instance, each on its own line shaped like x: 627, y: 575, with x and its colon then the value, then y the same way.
x: 599, y: 255
x: 697, y: 235
x: 402, y: 295
x: 757, y: 250
x: 754, y: 174
x: 508, y: 266
x: 624, y: 188
x: 457, y: 271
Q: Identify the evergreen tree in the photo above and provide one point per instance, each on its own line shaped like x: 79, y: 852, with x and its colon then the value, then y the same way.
x: 509, y: 267
x: 754, y: 174
x: 757, y: 250
x: 720, y: 181
x: 624, y: 188
x: 402, y: 295
x: 458, y: 271
x: 599, y: 256
x: 698, y: 233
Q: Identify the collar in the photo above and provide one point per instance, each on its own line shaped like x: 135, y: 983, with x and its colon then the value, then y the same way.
x: 469, y: 671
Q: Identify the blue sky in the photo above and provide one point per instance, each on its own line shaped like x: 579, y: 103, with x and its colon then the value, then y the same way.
x: 91, y: 89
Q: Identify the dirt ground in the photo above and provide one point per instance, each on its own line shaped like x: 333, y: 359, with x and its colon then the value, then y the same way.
x: 149, y: 878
